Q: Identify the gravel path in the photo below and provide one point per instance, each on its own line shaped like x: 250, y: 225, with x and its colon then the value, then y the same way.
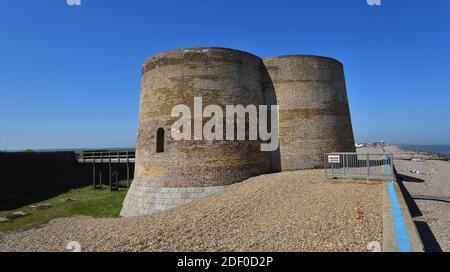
x: 292, y: 211
x: 432, y: 217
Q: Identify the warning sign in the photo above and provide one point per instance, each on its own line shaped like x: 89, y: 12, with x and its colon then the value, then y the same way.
x: 334, y: 159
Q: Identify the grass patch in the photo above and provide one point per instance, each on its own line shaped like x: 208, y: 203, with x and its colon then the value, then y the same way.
x: 87, y: 201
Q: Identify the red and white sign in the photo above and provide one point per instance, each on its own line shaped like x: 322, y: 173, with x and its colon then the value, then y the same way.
x: 334, y: 159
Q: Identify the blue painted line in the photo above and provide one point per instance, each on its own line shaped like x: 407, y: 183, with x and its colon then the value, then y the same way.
x: 400, y: 229
x: 401, y: 234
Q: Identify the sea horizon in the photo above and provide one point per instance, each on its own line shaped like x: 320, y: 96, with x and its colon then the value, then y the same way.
x: 69, y: 149
x: 441, y: 149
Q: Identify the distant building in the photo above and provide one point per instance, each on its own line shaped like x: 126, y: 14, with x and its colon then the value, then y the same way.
x: 379, y: 143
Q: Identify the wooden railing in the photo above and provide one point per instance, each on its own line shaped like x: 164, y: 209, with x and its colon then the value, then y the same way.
x: 109, y: 157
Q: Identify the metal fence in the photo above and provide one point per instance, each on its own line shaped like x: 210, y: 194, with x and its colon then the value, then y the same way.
x: 359, y: 166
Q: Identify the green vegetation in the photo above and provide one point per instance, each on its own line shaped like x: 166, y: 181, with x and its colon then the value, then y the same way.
x: 83, y: 201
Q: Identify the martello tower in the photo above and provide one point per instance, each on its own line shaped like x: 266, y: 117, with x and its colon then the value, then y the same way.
x: 314, y: 119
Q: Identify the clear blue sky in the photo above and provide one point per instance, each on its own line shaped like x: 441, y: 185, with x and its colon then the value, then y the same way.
x: 69, y: 76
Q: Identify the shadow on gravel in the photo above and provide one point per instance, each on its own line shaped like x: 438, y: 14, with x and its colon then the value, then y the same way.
x: 426, y: 235
x: 429, y: 241
x: 406, y: 178
x: 412, y: 206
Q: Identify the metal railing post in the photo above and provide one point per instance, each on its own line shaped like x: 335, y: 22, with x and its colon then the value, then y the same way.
x: 93, y: 173
x: 128, y: 171
x: 368, y: 166
x: 101, y: 164
x: 392, y: 166
x: 109, y: 164
x: 345, y: 158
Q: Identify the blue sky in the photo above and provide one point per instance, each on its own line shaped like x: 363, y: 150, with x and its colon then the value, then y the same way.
x: 69, y: 76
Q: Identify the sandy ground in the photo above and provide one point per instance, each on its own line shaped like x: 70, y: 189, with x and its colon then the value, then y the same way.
x: 292, y: 211
x: 432, y: 218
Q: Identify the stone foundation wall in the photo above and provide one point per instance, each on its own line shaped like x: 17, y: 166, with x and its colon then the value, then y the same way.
x: 142, y: 200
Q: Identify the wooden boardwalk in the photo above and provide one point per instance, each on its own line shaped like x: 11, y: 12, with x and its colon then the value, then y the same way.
x: 106, y: 157
x: 111, y: 158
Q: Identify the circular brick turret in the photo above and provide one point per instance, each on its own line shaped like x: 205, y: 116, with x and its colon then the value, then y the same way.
x: 314, y: 119
x: 187, y: 169
x: 314, y: 115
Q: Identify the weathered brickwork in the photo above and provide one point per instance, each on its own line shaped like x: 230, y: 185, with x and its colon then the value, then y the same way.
x: 314, y: 113
x: 220, y: 77
x: 314, y: 119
